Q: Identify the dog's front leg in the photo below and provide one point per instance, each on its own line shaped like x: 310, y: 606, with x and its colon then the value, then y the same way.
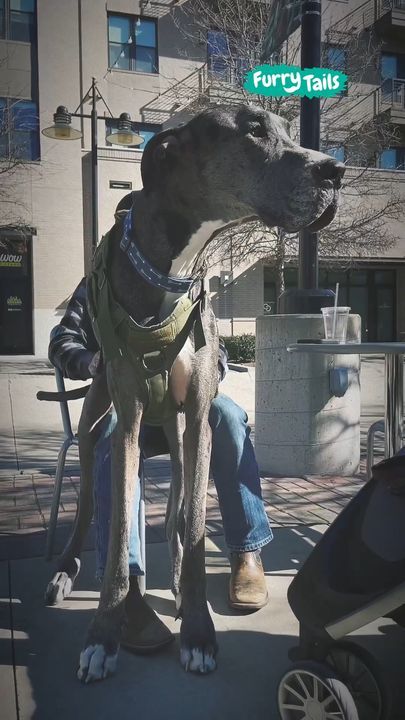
x: 99, y: 657
x: 198, y: 643
x: 175, y: 512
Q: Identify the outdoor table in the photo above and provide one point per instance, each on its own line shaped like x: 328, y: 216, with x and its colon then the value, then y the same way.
x: 394, y: 374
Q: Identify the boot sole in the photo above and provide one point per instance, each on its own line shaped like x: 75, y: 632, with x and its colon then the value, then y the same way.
x: 147, y: 649
x: 248, y: 606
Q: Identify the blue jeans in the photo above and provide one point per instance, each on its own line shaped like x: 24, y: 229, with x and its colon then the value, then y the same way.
x: 235, y: 473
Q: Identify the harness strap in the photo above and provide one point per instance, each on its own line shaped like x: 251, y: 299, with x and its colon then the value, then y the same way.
x: 119, y: 334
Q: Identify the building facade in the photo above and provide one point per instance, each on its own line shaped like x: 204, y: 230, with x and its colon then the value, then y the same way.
x: 145, y: 64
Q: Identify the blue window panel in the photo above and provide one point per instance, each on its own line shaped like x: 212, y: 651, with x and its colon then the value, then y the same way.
x: 388, y: 159
x: 217, y: 43
x: 24, y: 115
x: 119, y: 56
x: 337, y: 152
x: 389, y: 66
x: 2, y: 20
x: 147, y: 135
x: 22, y: 20
x: 24, y: 145
x: 4, y: 151
x: 23, y: 5
x: 336, y: 58
x: 145, y: 131
x: 119, y: 29
x: 145, y: 60
x: 145, y: 33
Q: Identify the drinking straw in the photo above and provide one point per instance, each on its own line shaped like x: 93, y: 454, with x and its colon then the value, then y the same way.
x: 335, y: 311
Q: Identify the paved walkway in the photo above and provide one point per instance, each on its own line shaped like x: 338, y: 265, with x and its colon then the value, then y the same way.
x: 39, y: 646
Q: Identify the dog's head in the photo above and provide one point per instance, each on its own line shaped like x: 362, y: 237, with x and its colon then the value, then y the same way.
x: 239, y: 162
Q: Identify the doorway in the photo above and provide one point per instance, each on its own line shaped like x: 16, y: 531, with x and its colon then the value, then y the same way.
x: 16, y: 327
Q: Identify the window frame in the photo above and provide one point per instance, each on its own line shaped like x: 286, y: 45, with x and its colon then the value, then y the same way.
x: 5, y: 31
x: 133, y: 19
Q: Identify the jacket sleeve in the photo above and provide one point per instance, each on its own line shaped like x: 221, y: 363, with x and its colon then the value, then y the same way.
x: 72, y: 343
x: 222, y: 360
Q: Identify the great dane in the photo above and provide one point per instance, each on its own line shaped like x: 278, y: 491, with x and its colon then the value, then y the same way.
x: 224, y: 166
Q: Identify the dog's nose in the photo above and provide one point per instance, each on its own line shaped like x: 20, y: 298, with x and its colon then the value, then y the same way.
x: 329, y: 169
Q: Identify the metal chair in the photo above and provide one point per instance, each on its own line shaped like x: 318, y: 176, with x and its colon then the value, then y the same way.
x: 70, y: 438
x: 378, y: 426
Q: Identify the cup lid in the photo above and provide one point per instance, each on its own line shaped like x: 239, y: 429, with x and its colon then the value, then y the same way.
x: 339, y: 308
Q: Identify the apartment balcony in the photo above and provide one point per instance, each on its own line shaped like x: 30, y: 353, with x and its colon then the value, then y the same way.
x: 390, y: 100
x: 390, y: 17
x: 158, y: 8
x: 386, y: 16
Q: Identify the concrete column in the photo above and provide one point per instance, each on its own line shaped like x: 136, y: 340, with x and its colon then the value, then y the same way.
x: 301, y: 428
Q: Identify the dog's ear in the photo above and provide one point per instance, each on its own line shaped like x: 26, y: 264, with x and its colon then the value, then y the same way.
x: 160, y: 150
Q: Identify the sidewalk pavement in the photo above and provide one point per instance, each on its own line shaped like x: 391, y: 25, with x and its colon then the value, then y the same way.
x: 40, y: 645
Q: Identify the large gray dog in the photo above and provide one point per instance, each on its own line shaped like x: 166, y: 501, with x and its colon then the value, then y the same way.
x: 224, y: 166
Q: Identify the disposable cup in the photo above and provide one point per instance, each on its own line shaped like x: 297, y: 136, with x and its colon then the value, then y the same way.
x: 335, y: 331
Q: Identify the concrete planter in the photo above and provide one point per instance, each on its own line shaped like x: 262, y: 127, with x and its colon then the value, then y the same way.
x: 301, y: 428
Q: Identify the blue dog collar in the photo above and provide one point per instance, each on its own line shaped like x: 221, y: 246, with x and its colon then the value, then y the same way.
x: 145, y: 269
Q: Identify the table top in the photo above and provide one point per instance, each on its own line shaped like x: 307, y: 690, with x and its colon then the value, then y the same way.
x: 350, y: 348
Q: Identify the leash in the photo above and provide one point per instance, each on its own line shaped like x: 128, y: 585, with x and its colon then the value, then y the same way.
x: 145, y: 269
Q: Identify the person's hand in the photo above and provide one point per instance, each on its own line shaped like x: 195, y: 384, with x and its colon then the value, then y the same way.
x: 94, y: 365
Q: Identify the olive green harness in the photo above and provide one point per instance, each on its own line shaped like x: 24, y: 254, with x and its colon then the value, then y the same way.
x: 151, y: 350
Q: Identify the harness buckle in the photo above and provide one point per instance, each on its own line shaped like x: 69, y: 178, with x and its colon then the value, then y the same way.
x: 152, y: 368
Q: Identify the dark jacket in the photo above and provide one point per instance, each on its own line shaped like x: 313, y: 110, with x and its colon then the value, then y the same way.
x: 73, y: 345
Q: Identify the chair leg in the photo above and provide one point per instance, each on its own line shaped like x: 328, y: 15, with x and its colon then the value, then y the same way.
x: 56, y: 498
x: 142, y: 578
x: 377, y: 426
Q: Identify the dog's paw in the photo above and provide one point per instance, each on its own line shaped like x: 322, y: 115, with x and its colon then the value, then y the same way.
x: 96, y: 664
x: 198, y: 660
x: 198, y: 646
x: 61, y: 584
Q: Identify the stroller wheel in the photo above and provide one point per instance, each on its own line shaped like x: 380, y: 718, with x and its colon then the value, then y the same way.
x: 360, y: 672
x: 312, y: 691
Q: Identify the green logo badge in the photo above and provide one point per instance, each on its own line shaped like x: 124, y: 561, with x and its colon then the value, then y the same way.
x: 287, y: 80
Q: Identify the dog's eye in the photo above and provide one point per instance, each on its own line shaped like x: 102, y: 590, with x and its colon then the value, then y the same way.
x: 256, y: 129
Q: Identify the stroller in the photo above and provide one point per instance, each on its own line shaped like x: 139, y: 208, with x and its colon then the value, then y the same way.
x: 355, y: 575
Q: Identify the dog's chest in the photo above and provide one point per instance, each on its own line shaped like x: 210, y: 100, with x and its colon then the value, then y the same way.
x: 180, y: 374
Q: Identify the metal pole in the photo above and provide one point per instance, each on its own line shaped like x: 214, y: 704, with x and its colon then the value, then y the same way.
x: 394, y: 378
x: 94, y: 167
x: 308, y: 298
x: 309, y: 132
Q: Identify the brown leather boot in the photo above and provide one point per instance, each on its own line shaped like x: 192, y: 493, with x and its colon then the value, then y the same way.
x: 247, y: 586
x: 143, y: 631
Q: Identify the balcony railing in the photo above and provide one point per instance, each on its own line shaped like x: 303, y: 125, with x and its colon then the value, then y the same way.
x: 392, y: 93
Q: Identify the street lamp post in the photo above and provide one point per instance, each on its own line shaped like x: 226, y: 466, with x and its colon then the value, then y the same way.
x: 124, y: 135
x: 308, y: 298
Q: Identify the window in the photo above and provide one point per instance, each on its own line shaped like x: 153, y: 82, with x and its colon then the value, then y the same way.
x: 223, y: 62
x: 146, y: 131
x: 392, y: 66
x: 19, y: 130
x: 18, y: 20
x: 336, y: 151
x: 392, y: 159
x: 132, y: 43
x: 335, y: 58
